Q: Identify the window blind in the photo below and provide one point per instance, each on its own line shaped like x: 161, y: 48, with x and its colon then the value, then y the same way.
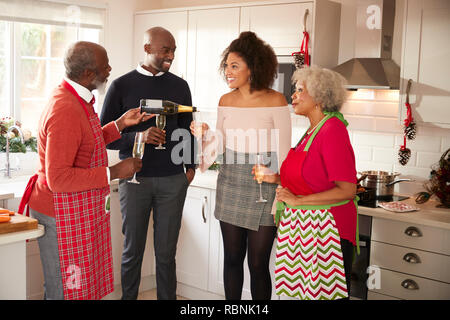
x: 56, y: 13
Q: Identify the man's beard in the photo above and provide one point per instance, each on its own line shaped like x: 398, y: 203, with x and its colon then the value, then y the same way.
x: 100, y: 86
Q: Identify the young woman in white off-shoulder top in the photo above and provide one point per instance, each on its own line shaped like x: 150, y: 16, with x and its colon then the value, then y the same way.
x: 251, y: 119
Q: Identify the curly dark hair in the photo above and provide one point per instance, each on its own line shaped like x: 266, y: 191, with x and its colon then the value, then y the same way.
x: 259, y: 57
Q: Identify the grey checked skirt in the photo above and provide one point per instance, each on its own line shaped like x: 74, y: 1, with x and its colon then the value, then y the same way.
x: 237, y: 192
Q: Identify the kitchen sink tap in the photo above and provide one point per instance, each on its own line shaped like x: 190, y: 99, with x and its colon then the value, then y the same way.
x: 8, y: 168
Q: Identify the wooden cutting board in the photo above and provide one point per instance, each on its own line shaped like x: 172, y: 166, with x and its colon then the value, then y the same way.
x: 18, y: 222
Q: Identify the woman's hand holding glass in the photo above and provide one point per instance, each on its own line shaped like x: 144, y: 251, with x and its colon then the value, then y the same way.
x: 198, y: 129
x: 267, y: 175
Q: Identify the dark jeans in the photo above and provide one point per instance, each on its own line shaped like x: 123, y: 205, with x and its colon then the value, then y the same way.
x: 165, y: 196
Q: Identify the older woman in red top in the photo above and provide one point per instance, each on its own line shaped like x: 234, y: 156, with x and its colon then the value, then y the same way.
x: 317, y: 228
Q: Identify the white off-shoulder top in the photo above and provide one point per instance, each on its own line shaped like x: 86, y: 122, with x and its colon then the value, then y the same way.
x: 248, y: 130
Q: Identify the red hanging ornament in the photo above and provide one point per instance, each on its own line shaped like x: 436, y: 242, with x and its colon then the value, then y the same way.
x: 409, y: 131
x: 302, y: 58
x: 410, y: 126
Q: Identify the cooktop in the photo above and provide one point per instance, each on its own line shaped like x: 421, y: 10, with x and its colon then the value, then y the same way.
x: 373, y: 203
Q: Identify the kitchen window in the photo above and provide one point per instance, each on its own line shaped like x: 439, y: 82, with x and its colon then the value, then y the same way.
x: 32, y: 49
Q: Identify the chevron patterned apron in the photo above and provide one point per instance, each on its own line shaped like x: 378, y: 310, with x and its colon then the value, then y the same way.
x: 309, y: 263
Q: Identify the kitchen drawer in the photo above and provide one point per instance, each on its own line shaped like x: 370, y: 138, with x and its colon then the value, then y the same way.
x: 377, y: 296
x: 420, y: 237
x: 425, y: 289
x: 432, y: 265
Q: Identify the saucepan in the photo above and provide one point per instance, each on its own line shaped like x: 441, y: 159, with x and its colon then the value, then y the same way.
x: 382, y: 181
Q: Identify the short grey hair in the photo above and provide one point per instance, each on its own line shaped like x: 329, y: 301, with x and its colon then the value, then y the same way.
x: 325, y: 87
x: 79, y: 57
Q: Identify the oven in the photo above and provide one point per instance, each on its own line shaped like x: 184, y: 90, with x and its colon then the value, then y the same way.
x: 358, y: 286
x: 283, y: 81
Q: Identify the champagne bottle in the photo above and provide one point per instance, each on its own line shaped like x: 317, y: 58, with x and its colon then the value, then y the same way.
x: 166, y: 107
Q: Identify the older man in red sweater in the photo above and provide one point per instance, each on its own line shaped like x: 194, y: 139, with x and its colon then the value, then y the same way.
x: 68, y: 195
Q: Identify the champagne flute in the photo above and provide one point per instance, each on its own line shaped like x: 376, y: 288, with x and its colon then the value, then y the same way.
x: 259, y: 175
x: 160, y: 124
x: 197, y: 118
x: 138, y: 150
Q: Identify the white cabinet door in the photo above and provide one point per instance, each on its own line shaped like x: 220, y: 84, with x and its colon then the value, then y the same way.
x: 280, y: 25
x: 176, y: 23
x: 117, y: 239
x: 193, y: 243
x: 426, y: 60
x: 116, y: 232
x: 209, y: 33
x: 215, y: 283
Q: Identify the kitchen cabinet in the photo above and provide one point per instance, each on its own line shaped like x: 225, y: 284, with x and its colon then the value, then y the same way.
x: 193, y: 242
x: 426, y: 60
x: 282, y: 26
x: 209, y: 34
x: 148, y: 279
x: 414, y: 260
x: 15, y: 277
x: 174, y: 21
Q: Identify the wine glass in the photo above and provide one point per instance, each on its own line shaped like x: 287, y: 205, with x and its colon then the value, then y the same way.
x: 160, y: 124
x: 138, y: 150
x: 259, y: 174
x: 197, y: 118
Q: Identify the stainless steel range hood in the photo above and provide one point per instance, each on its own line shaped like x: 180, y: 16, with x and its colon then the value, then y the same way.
x: 373, y: 67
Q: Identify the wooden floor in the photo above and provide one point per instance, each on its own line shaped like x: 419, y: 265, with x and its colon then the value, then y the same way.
x: 151, y: 295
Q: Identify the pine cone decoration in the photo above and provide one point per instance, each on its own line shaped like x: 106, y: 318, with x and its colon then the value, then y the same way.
x: 403, y: 156
x: 411, y: 130
x: 299, y: 60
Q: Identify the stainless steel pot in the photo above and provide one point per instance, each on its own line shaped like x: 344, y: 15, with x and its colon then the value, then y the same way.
x: 382, y: 181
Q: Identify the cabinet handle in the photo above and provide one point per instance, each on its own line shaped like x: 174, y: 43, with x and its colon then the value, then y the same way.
x: 203, y: 208
x: 413, y: 232
x: 412, y: 258
x: 410, y: 284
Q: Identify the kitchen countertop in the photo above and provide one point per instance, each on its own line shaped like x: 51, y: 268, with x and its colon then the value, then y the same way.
x: 11, y: 237
x: 427, y: 214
